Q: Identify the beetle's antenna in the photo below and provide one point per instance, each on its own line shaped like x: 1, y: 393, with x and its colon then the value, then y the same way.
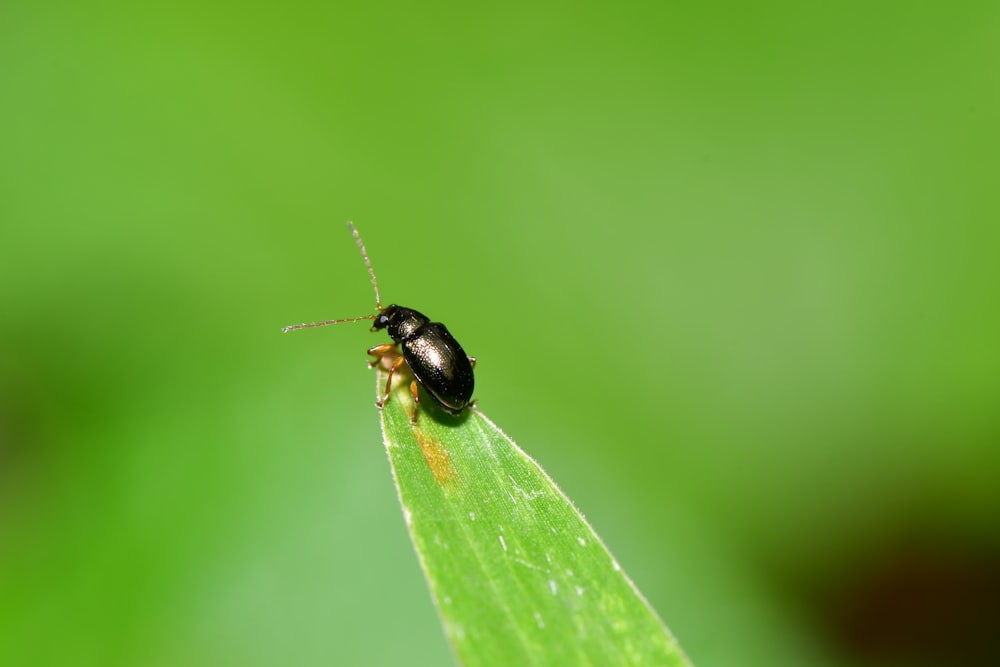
x: 293, y: 327
x: 371, y: 272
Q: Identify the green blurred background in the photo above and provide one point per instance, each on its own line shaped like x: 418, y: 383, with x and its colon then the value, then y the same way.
x: 730, y: 272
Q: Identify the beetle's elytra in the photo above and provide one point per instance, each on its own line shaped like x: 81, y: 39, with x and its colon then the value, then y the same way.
x: 436, y: 360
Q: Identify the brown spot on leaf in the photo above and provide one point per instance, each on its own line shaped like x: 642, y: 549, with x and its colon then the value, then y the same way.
x: 436, y: 456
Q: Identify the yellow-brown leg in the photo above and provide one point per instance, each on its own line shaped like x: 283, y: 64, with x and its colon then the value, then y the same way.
x: 380, y: 351
x: 388, y: 383
x: 388, y: 355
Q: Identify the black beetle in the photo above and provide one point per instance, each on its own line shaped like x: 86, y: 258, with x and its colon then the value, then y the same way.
x: 437, y: 361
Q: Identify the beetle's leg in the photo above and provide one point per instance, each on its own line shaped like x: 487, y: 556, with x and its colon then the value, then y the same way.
x: 380, y: 351
x: 472, y: 360
x: 388, y: 383
x: 416, y: 401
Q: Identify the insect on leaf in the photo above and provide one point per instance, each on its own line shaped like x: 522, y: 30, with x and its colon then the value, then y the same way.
x: 518, y: 575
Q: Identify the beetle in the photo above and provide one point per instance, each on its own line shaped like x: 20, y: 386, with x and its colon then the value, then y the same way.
x: 435, y: 359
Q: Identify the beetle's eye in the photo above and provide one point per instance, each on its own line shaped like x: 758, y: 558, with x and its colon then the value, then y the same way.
x: 381, y: 322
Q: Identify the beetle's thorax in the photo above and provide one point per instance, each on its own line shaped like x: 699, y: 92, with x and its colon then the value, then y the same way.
x: 399, y: 322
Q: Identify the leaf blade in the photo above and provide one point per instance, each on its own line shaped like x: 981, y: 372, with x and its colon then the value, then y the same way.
x: 518, y: 575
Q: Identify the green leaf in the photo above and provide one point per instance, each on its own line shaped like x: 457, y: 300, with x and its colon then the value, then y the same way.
x: 518, y: 575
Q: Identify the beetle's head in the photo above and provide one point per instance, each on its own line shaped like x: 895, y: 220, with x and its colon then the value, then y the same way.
x: 400, y: 322
x: 384, y: 318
